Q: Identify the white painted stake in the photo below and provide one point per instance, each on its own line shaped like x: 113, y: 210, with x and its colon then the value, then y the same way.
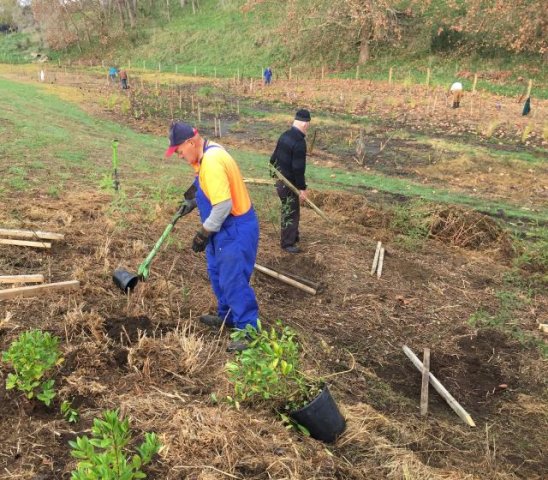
x: 376, y: 258
x: 381, y: 260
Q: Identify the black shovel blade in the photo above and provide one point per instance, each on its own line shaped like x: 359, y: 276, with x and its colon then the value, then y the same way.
x: 125, y: 280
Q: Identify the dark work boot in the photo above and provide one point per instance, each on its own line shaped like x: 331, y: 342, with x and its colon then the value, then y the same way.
x: 212, y: 321
x: 237, y: 346
x: 292, y: 249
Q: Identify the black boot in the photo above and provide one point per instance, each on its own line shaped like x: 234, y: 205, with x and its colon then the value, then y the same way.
x: 213, y: 321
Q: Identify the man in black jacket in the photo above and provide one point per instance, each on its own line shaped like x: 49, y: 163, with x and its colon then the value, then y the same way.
x: 289, y: 158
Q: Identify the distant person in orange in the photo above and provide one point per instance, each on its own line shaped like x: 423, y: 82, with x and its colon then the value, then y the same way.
x: 230, y: 230
x: 457, y: 91
x: 123, y: 79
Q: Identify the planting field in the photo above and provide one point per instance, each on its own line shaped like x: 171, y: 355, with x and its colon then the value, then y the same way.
x: 458, y: 198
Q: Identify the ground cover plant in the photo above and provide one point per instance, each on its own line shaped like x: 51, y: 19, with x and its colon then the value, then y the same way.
x: 147, y: 355
x: 33, y: 355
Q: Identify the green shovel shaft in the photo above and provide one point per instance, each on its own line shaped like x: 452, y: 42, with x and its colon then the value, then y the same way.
x: 144, y: 267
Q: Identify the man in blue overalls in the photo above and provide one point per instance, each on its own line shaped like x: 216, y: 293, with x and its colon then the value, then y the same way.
x: 230, y: 230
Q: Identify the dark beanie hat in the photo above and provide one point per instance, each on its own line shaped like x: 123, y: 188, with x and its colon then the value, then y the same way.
x: 302, y: 115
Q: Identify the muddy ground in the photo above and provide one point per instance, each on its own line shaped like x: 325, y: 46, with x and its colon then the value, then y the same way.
x: 147, y: 354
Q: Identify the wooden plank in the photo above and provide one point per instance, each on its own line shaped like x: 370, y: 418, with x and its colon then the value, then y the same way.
x: 284, y: 279
x: 425, y: 381
x: 296, y: 191
x: 38, y: 290
x: 376, y: 258
x: 456, y: 406
x: 37, y: 234
x: 24, y: 243
x: 22, y: 278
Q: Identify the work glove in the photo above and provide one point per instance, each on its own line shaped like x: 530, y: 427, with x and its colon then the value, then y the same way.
x: 200, y: 241
x: 186, y: 207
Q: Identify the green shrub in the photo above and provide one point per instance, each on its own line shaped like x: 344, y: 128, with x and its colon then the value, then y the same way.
x: 32, y: 356
x: 71, y: 414
x: 269, y: 368
x: 105, y: 455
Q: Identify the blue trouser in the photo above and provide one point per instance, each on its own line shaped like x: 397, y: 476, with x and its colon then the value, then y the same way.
x: 231, y: 254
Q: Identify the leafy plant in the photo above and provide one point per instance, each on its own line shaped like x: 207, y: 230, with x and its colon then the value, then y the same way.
x: 269, y: 368
x: 105, y: 455
x: 32, y: 356
x: 71, y: 414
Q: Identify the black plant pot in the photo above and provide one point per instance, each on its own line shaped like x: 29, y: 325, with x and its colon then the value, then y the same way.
x: 321, y: 417
x: 125, y: 280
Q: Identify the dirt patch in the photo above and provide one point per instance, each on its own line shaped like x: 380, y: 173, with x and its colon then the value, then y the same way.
x: 126, y: 330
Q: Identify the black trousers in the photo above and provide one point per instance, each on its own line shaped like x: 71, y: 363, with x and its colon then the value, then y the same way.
x: 290, y: 215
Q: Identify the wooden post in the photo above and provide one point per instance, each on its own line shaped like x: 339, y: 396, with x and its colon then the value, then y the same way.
x: 284, y: 279
x: 251, y: 85
x: 529, y: 88
x: 376, y: 258
x: 425, y: 381
x: 215, y: 125
x: 357, y: 72
x: 428, y: 72
x: 390, y: 76
x: 475, y: 83
x: 220, y: 131
x: 180, y: 99
x: 322, y: 72
x: 456, y: 406
x: 289, y: 73
x: 38, y: 290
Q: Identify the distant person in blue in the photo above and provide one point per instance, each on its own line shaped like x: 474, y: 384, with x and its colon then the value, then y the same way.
x: 527, y: 107
x: 112, y: 72
x: 267, y: 76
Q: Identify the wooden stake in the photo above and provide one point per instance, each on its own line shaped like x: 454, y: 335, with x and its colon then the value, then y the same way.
x: 475, y: 83
x: 376, y: 258
x: 427, y: 77
x: 323, y: 71
x: 357, y: 72
x: 220, y: 132
x: 39, y: 290
x: 381, y: 261
x: 456, y: 406
x: 390, y: 76
x: 289, y: 73
x: 529, y: 87
x: 424, y: 386
x: 284, y: 279
x: 297, y: 192
x: 21, y: 278
x: 8, y: 232
x: 312, y: 143
x: 24, y: 243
